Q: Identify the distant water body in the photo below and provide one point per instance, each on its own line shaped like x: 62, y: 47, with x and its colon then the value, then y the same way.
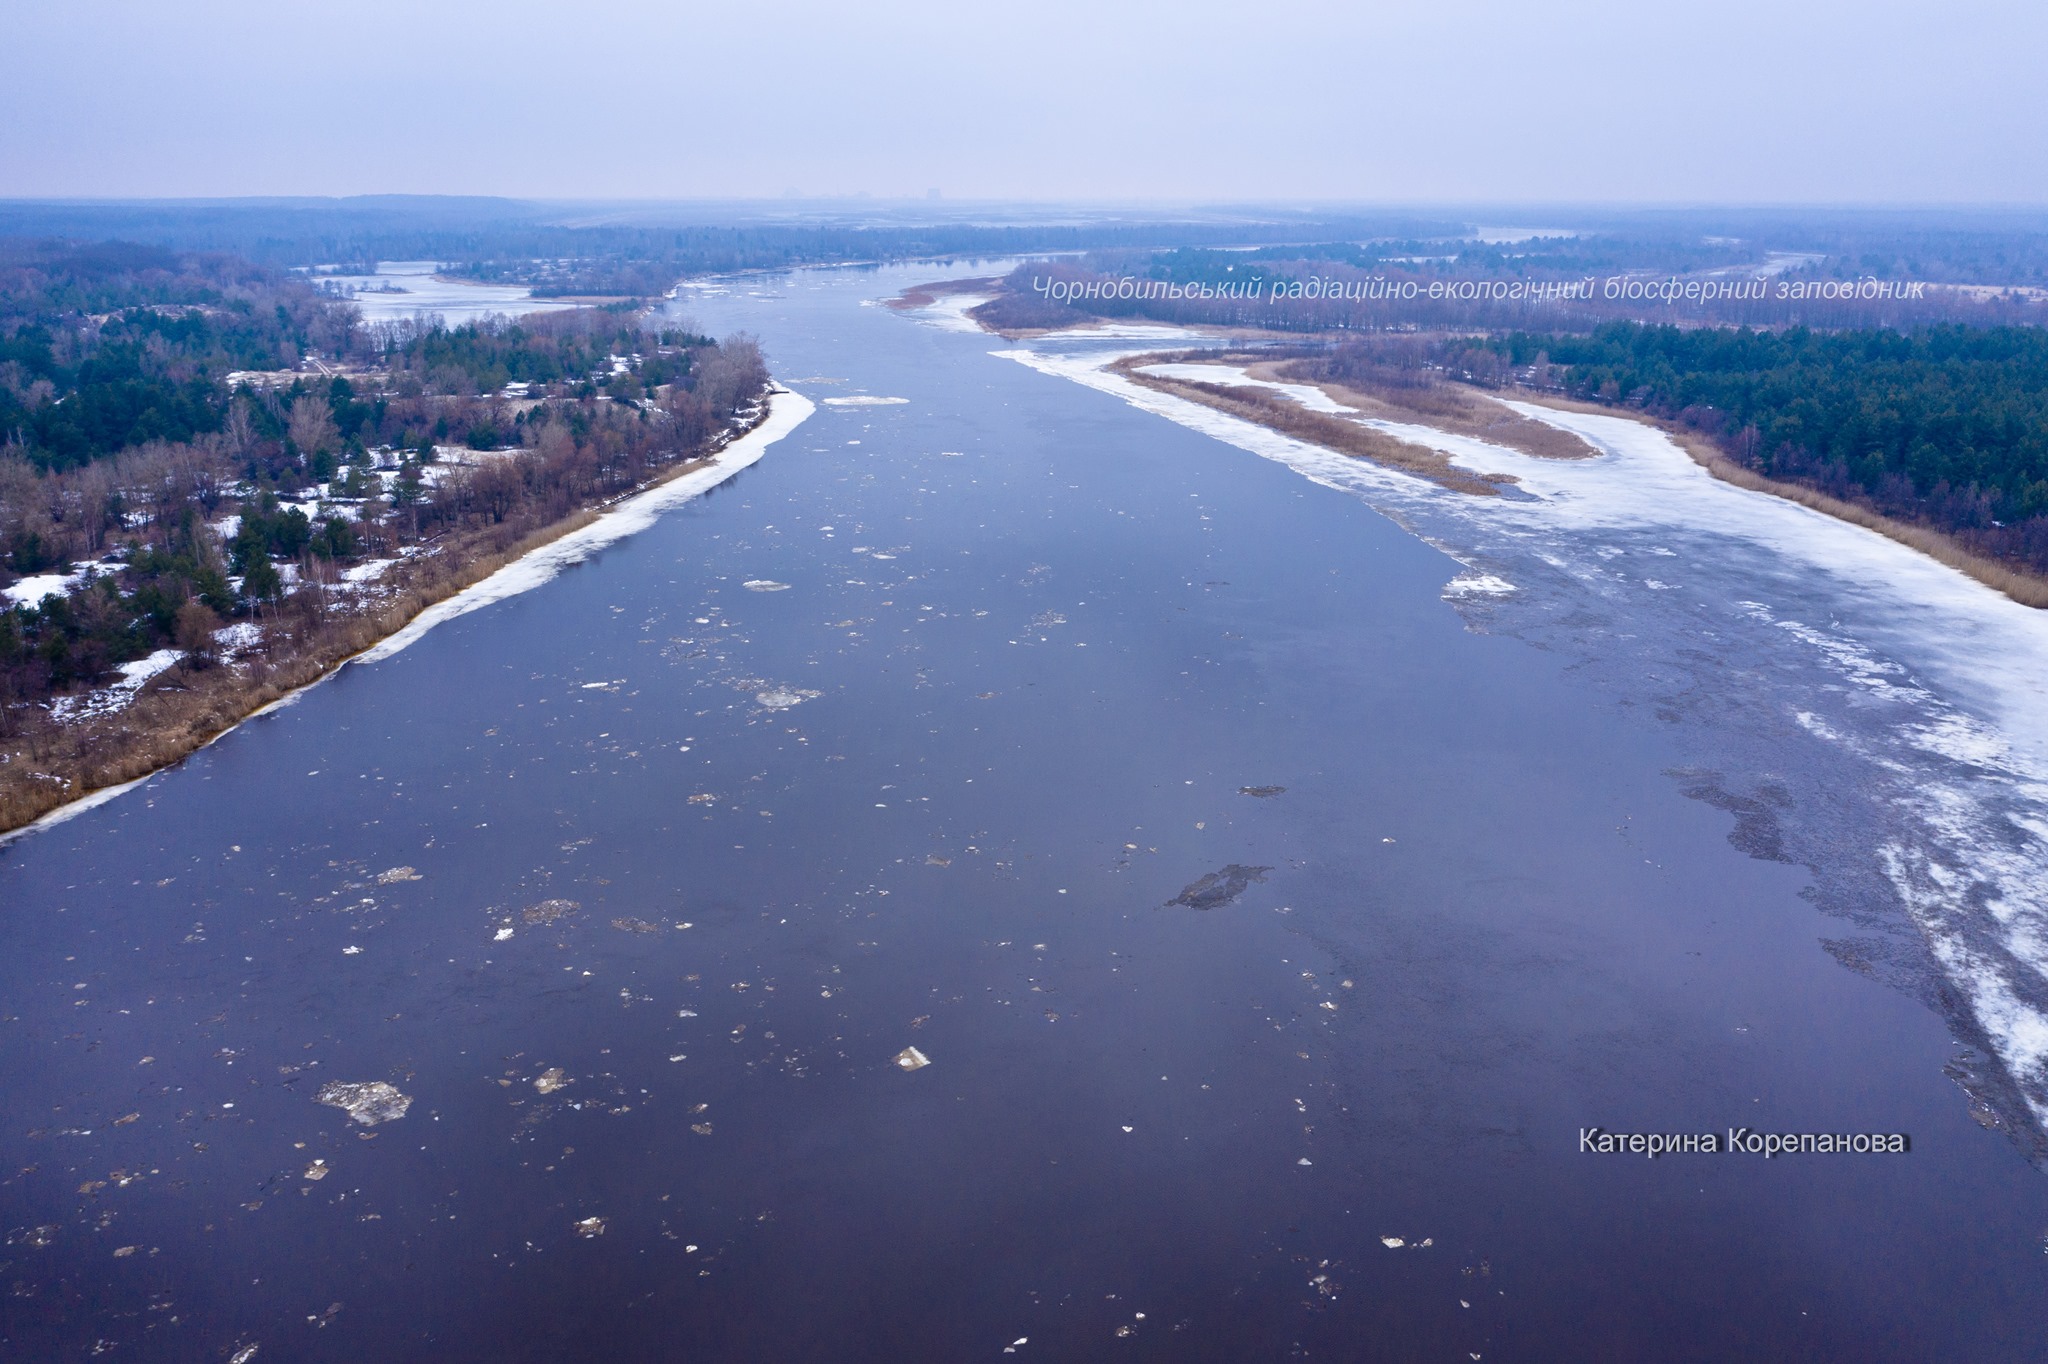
x: 406, y: 289
x: 1011, y: 872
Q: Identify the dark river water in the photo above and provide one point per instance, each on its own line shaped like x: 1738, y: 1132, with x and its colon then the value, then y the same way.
x: 1043, y: 663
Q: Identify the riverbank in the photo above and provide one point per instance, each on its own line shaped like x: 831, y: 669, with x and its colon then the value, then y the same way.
x: 61, y: 770
x: 1269, y: 392
x: 2028, y: 589
x: 1455, y: 409
x: 1464, y: 411
x: 1281, y: 412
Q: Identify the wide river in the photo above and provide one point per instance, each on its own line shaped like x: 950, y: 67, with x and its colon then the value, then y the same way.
x: 1015, y: 872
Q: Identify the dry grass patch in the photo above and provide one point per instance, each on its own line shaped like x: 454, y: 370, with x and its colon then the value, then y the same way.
x: 924, y: 295
x: 1447, y: 407
x: 1278, y: 413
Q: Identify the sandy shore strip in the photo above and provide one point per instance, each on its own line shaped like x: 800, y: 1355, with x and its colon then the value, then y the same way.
x: 632, y: 514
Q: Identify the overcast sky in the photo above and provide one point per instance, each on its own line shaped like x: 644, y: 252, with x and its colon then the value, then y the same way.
x: 1613, y: 100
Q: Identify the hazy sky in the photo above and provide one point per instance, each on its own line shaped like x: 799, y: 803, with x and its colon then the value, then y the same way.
x: 1750, y: 100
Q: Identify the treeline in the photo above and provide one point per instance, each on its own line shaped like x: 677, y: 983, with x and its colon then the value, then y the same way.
x: 573, y: 350
x: 1945, y: 427
x: 108, y: 346
x: 248, y: 503
x: 528, y: 243
x: 239, y: 525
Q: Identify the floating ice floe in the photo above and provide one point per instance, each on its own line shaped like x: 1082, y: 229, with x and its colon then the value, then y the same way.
x: 863, y: 400
x: 1477, y: 585
x: 368, y: 1103
x: 549, y: 911
x: 764, y: 585
x: 782, y: 698
x: 910, y: 1058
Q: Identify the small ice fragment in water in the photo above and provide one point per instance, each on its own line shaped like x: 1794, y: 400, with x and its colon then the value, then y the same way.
x: 318, y: 1170
x: 1392, y: 1242
x: 1130, y: 1129
x: 502, y: 934
x: 351, y: 951
x: 547, y: 911
x: 1304, y: 1161
x: 368, y: 1103
x: 782, y: 698
x: 590, y: 1226
x: 910, y: 1058
x: 244, y: 1355
x: 764, y: 585
x: 550, y: 1080
x: 397, y: 874
x: 1262, y: 792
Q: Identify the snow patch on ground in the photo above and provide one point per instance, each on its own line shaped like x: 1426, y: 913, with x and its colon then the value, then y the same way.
x: 106, y: 700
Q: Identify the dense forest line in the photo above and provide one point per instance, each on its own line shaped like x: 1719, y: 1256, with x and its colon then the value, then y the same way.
x: 1945, y: 427
x: 516, y: 239
x: 108, y: 346
x: 149, y: 504
x: 642, y: 250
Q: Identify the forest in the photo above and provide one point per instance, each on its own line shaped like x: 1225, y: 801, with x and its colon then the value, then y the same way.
x: 1947, y: 426
x: 204, y: 455
x: 1944, y: 426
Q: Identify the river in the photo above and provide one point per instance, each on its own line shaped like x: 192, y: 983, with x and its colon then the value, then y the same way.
x: 1010, y: 872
